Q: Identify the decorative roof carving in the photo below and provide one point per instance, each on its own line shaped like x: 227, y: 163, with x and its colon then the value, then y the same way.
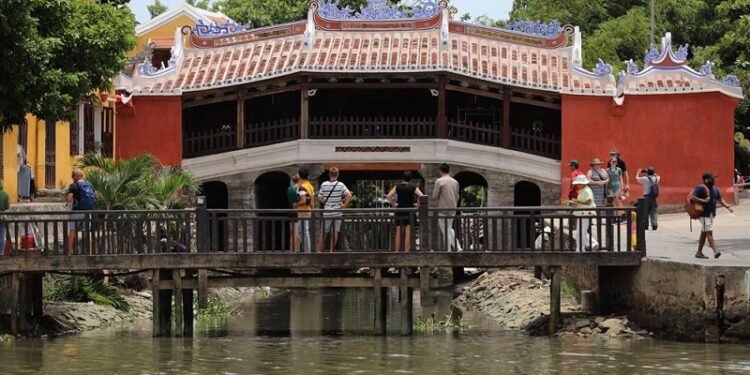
x: 379, y: 10
x: 536, y: 28
x: 213, y: 29
x: 602, y: 69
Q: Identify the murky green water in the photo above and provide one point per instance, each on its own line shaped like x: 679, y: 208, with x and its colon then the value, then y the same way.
x: 328, y: 332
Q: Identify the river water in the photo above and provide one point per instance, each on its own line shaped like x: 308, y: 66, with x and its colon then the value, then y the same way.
x: 329, y: 332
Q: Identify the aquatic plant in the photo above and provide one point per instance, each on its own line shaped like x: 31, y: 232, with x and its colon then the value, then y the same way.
x: 448, y: 324
x: 78, y: 288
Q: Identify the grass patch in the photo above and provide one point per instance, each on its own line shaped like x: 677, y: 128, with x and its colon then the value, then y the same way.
x: 76, y: 288
x: 216, y: 310
x: 433, y: 325
x: 567, y: 288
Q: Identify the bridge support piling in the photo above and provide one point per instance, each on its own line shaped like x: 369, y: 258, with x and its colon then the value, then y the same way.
x: 407, y: 304
x: 380, y: 302
x: 162, y: 300
x: 189, y: 314
x: 202, y: 288
x: 425, y: 299
x: 554, y: 299
x: 15, y: 286
x: 179, y: 324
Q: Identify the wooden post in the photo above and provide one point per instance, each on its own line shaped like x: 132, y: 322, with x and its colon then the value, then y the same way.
x: 15, y: 296
x: 155, y: 299
x: 641, y: 219
x: 424, y: 221
x: 407, y: 321
x: 554, y: 300
x: 179, y: 326
x: 379, y: 301
x: 187, y: 308
x: 304, y: 120
x: 162, y: 299
x: 202, y: 288
x: 202, y: 224
x: 442, y: 130
x: 506, y: 120
x: 425, y: 299
x: 240, y: 120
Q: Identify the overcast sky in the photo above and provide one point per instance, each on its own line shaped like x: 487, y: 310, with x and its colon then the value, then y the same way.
x: 493, y: 8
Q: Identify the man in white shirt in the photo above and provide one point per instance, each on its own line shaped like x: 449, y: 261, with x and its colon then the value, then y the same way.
x: 446, y: 193
x: 333, y: 195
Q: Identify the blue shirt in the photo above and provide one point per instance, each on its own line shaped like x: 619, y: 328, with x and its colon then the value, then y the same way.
x: 709, y: 209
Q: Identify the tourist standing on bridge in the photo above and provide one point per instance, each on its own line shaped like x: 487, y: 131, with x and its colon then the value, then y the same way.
x: 333, y: 196
x: 585, y: 202
x: 574, y: 172
x: 293, y: 197
x: 304, y: 208
x: 701, y: 194
x: 407, y: 194
x: 446, y: 193
x: 650, y: 182
x: 599, y: 179
x: 82, y: 195
x: 614, y: 153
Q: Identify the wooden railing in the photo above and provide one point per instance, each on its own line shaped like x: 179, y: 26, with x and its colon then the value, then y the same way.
x: 528, y: 141
x: 373, y: 127
x: 270, y: 132
x: 481, y: 133
x: 209, y: 141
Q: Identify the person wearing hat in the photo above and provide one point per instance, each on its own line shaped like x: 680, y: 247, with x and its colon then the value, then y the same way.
x: 599, y: 181
x: 574, y: 172
x: 614, y: 153
x: 584, y: 200
x: 650, y: 181
x: 701, y: 194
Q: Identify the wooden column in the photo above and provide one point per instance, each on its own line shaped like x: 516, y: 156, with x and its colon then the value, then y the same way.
x: 304, y: 119
x: 188, y: 313
x: 380, y: 302
x: 554, y: 300
x: 15, y: 301
x: 425, y: 299
x: 240, y: 120
x: 407, y: 304
x: 442, y: 129
x: 202, y: 288
x: 162, y: 299
x: 506, y: 120
x: 179, y: 325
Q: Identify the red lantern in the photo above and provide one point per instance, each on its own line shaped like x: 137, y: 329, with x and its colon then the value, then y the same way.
x: 103, y: 96
x: 118, y: 98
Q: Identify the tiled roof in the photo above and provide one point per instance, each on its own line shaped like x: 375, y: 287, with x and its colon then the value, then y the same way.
x: 161, y: 43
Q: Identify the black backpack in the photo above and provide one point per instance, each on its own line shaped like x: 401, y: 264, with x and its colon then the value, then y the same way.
x: 654, y: 191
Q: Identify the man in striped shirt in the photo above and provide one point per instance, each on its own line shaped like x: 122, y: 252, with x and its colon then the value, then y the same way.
x: 333, y: 195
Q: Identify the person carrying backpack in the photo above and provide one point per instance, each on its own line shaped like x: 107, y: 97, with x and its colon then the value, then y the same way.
x: 650, y: 181
x: 82, y: 195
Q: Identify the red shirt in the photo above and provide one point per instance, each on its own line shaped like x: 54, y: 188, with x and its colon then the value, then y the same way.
x: 573, y: 193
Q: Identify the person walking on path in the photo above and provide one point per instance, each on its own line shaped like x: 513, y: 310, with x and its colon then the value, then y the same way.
x: 304, y: 209
x: 650, y: 181
x: 333, y: 196
x: 574, y: 172
x: 407, y: 194
x: 293, y: 197
x: 708, y: 194
x: 584, y: 203
x: 446, y: 193
x: 615, y: 153
x: 82, y: 195
x: 4, y: 206
x: 598, y: 182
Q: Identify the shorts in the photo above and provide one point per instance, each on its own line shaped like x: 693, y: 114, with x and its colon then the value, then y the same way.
x: 707, y: 223
x: 332, y: 221
x: 79, y: 221
x: 403, y: 218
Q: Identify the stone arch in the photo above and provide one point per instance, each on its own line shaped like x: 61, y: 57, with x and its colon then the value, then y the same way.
x: 270, y: 189
x: 525, y: 194
x: 467, y: 181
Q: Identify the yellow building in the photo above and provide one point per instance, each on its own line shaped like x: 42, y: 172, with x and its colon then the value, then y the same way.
x: 51, y: 159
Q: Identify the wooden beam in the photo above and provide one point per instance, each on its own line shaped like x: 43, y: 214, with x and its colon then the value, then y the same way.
x: 300, y: 281
x: 273, y: 91
x: 373, y: 86
x: 536, y: 103
x: 304, y: 120
x: 442, y: 129
x: 336, y: 260
x: 506, y: 120
x: 473, y: 91
x: 554, y: 300
x: 374, y: 166
x: 240, y: 121
x: 212, y: 100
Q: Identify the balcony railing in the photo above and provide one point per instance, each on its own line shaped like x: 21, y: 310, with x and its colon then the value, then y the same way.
x: 547, y: 145
x: 270, y: 132
x: 489, y: 134
x: 209, y: 141
x: 373, y: 127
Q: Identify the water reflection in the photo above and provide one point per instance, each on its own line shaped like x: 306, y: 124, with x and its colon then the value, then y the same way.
x: 329, y: 331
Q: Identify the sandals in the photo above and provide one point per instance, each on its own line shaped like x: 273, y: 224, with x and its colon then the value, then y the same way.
x: 717, y: 255
x: 700, y: 256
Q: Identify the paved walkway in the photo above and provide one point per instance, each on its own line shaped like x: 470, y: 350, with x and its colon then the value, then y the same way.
x: 674, y: 240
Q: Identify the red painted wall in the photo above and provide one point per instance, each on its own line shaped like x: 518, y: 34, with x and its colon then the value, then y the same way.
x: 152, y: 125
x: 681, y: 135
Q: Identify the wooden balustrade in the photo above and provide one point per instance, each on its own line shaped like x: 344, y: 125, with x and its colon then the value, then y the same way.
x: 525, y: 140
x: 209, y: 141
x: 473, y: 132
x: 373, y: 127
x: 270, y: 132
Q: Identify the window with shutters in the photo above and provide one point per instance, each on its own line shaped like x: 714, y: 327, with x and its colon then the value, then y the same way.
x: 108, y: 131
x: 49, y: 154
x: 74, y: 132
x: 88, y: 128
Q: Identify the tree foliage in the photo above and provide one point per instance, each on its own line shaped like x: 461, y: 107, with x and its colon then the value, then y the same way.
x: 55, y: 52
x: 156, y: 8
x: 202, y: 4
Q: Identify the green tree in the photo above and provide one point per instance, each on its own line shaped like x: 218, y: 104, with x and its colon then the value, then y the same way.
x: 202, y: 4
x: 55, y: 52
x: 156, y: 8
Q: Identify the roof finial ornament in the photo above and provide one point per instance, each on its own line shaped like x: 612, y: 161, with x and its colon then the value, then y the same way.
x: 310, y: 28
x: 602, y: 69
x: 707, y: 69
x: 632, y: 67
